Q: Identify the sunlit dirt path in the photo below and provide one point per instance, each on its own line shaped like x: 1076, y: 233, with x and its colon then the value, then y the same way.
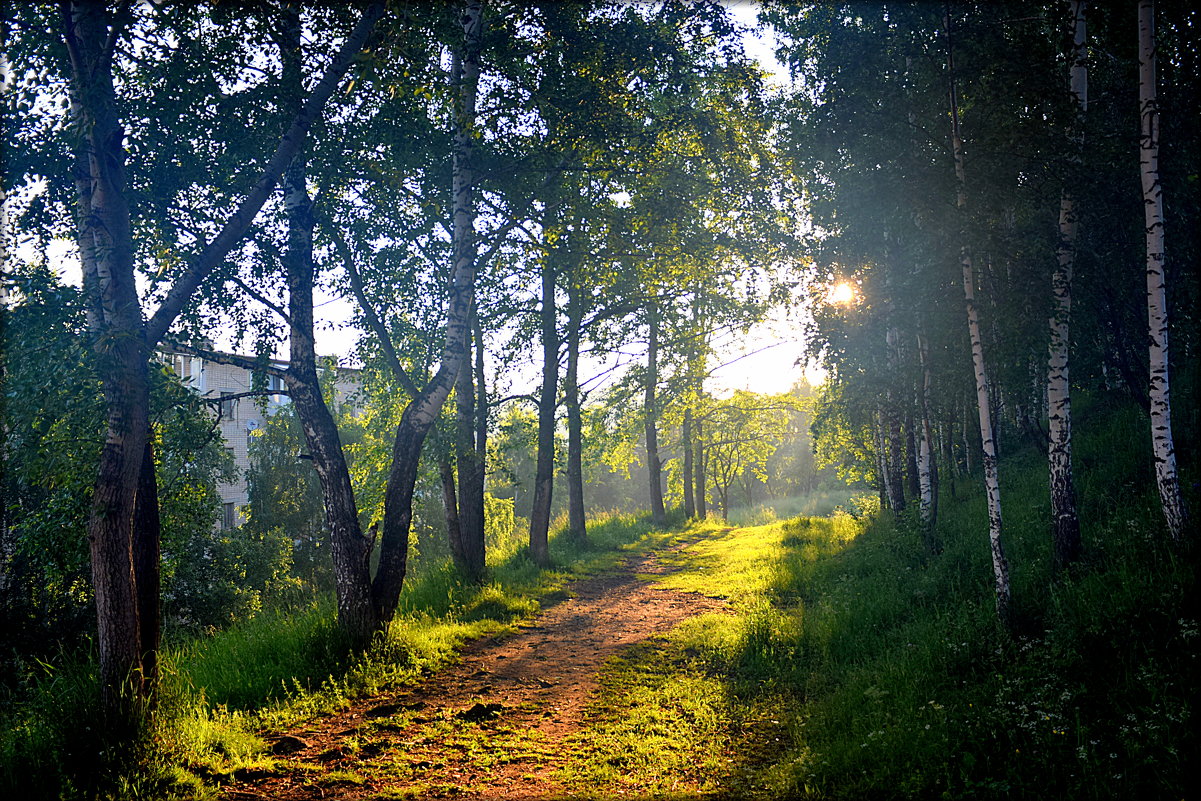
x: 492, y: 726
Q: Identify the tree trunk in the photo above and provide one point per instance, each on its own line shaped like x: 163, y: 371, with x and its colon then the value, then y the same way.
x: 576, y: 523
x: 654, y: 467
x: 350, y: 550
x: 686, y: 435
x: 471, y: 473
x: 890, y: 439
x: 146, y: 568
x: 913, y: 481
x: 421, y: 413
x: 123, y: 343
x: 927, y: 468
x: 1157, y: 303
x: 105, y: 241
x: 992, y: 484
x: 544, y: 472
x: 450, y: 511
x: 946, y: 438
x: 1065, y: 532
x: 699, y: 457
x: 481, y: 404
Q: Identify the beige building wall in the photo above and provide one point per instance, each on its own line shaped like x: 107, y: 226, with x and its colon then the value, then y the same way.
x: 238, y: 418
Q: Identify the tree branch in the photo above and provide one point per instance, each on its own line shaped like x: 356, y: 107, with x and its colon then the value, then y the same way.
x: 373, y: 319
x: 231, y: 359
x: 289, y: 145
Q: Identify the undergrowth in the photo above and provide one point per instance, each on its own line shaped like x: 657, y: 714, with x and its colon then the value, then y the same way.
x: 274, y: 671
x: 888, y: 671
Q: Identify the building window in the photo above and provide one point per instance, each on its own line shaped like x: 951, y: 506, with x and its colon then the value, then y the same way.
x: 228, y: 407
x: 229, y: 515
x: 275, y: 385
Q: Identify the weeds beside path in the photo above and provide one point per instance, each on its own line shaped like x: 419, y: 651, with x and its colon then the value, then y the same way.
x: 496, y: 725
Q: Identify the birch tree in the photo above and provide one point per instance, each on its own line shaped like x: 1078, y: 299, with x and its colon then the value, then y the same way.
x: 992, y: 483
x: 1065, y: 536
x: 124, y: 540
x: 1157, y: 301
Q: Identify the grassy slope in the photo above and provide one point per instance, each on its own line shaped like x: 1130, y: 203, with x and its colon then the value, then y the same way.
x: 857, y: 665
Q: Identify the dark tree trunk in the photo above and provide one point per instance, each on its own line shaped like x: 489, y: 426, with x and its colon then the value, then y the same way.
x: 351, y: 551
x: 471, y: 475
x: 481, y: 400
x: 912, y: 479
x: 544, y: 473
x: 686, y: 435
x: 422, y: 412
x: 699, y: 456
x: 120, y: 351
x: 123, y: 343
x: 398, y: 507
x: 450, y: 509
x: 577, y: 524
x: 146, y: 567
x: 895, y: 456
x: 654, y: 466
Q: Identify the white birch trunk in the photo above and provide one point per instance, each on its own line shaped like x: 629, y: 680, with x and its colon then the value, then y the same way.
x: 925, y: 460
x: 1157, y: 302
x: 1065, y: 534
x: 992, y: 483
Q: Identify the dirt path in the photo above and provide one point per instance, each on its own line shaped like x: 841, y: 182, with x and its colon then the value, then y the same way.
x: 492, y: 726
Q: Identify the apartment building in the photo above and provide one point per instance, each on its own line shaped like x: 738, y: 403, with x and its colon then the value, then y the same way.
x: 240, y: 417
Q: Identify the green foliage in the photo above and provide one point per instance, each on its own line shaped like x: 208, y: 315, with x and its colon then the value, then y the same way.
x: 54, y: 423
x: 284, y: 496
x: 273, y: 670
x: 896, y: 680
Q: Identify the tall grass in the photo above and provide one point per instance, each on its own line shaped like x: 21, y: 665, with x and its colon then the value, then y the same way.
x: 276, y: 670
x: 895, y: 679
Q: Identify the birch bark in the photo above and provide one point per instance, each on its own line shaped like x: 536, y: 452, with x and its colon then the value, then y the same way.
x: 423, y: 410
x: 927, y: 497
x: 1157, y: 302
x: 1065, y: 535
x: 992, y: 483
x: 650, y: 410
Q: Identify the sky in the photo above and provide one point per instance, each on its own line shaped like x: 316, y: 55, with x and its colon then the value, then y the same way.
x: 764, y: 360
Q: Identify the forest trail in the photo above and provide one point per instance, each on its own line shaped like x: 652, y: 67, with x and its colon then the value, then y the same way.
x: 494, y: 725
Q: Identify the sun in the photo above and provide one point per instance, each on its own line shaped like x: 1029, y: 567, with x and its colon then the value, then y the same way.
x: 841, y: 293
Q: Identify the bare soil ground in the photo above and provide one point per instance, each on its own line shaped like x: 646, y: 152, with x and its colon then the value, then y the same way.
x: 492, y: 726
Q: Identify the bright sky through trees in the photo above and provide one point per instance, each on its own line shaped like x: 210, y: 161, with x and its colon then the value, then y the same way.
x: 764, y: 360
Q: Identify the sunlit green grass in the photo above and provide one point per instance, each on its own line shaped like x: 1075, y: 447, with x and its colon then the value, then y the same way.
x: 272, y: 672
x: 886, y: 667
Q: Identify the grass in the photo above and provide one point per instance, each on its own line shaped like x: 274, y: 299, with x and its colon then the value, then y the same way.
x: 853, y: 662
x: 268, y: 673
x: 888, y: 673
